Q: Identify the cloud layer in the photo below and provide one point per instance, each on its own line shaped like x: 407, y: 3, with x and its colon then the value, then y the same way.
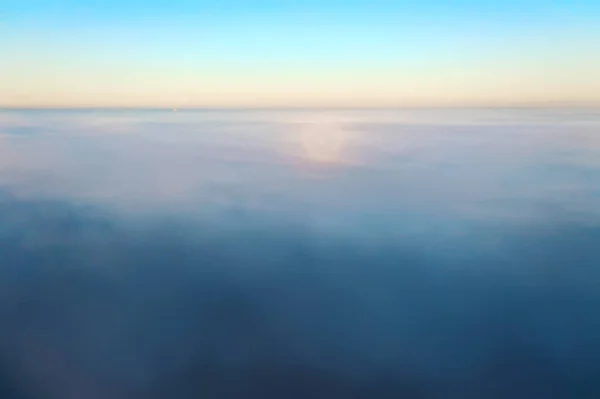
x: 333, y: 254
x: 95, y: 306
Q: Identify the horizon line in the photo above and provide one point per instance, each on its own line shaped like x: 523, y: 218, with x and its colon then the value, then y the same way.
x: 300, y: 107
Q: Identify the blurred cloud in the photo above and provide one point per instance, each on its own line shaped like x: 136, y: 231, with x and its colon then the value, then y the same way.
x: 97, y: 305
x: 482, y: 163
x: 306, y: 254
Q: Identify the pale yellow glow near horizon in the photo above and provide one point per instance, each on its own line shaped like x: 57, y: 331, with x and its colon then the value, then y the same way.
x: 444, y: 94
x: 486, y: 83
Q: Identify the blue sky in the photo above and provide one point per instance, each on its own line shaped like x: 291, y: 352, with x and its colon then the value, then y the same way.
x: 321, y: 53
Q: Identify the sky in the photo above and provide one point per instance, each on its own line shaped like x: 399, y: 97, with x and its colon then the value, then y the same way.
x: 313, y: 53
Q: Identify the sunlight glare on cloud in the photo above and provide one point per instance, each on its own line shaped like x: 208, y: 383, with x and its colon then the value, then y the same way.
x: 324, y: 138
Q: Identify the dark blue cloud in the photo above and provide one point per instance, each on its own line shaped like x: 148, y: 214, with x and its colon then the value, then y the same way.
x: 93, y: 305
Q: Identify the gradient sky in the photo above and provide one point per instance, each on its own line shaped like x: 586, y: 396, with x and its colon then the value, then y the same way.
x: 197, y: 53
